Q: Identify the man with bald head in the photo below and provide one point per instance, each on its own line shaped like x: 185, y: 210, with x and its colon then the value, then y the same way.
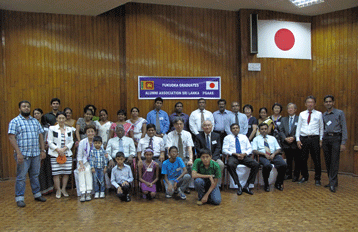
x: 211, y: 141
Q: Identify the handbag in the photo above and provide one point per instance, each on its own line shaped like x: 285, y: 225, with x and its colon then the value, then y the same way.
x: 61, y: 159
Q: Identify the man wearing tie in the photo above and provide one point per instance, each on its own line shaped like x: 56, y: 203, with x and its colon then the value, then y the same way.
x: 238, y: 118
x: 198, y: 116
x: 334, y: 140
x: 120, y: 144
x: 287, y: 130
x: 211, y: 141
x: 268, y: 150
x: 238, y: 148
x: 222, y: 118
x: 309, y: 135
x: 159, y: 118
x: 154, y: 142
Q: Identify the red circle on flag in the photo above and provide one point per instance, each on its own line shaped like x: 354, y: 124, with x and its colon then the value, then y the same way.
x: 284, y: 39
x: 212, y: 85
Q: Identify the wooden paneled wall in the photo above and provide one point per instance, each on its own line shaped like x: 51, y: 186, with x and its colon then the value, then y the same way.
x: 179, y: 41
x: 97, y: 60
x: 78, y: 59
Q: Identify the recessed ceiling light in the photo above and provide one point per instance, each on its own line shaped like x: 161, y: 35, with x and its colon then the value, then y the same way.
x: 305, y: 3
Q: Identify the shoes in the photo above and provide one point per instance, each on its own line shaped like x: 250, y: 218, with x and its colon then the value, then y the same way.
x: 149, y: 197
x: 128, y: 198
x: 199, y: 203
x: 187, y: 191
x: 144, y: 196
x: 65, y: 194
x: 83, y: 198
x: 267, y: 188
x: 239, y: 191
x: 303, y: 180
x: 318, y: 183
x: 295, y: 179
x: 327, y: 186
x: 168, y: 196
x: 247, y: 190
x: 288, y: 177
x: 101, y: 195
x: 181, y: 195
x: 58, y: 194
x: 96, y: 195
x: 88, y: 197
x: 21, y: 204
x: 332, y: 189
x: 41, y: 198
x: 279, y: 187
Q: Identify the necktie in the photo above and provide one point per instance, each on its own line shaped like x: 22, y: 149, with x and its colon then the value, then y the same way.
x: 309, y: 117
x: 180, y: 146
x: 267, y: 148
x: 290, y: 125
x: 202, y: 118
x: 120, y: 145
x: 157, y: 123
x: 151, y: 142
x: 208, y: 142
x: 237, y: 144
x: 236, y: 118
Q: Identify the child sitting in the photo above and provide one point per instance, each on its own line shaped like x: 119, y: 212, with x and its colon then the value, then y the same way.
x: 98, y: 162
x: 148, y: 174
x: 206, y: 173
x: 176, y: 178
x: 122, y: 177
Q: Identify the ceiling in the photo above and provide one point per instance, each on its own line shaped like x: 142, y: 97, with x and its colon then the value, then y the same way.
x: 96, y: 7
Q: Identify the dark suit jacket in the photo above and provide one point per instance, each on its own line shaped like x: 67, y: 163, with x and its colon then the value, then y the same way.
x: 200, y: 143
x: 284, y: 132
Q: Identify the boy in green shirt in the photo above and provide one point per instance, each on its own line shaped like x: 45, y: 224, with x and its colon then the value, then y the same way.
x: 206, y: 173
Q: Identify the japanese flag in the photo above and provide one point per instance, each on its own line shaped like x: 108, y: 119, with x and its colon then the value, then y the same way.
x: 282, y: 39
x: 212, y: 85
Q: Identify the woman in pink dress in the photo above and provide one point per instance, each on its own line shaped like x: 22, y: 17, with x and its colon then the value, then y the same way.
x: 139, y: 125
x: 128, y: 128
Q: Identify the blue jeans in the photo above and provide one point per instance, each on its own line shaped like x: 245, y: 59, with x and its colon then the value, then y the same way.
x: 202, y: 185
x: 30, y: 165
x: 98, y: 180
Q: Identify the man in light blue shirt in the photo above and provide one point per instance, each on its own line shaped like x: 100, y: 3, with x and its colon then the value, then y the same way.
x: 222, y: 119
x: 268, y: 150
x: 159, y: 118
x: 239, y: 118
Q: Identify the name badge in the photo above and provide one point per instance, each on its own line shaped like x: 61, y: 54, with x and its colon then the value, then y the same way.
x: 68, y: 139
x: 249, y: 126
x: 278, y: 123
x: 178, y: 169
x: 329, y: 123
x: 214, y: 142
x: 149, y: 169
x: 296, y: 123
x: 161, y: 118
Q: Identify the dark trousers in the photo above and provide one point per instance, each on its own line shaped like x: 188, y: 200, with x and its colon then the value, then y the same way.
x: 310, y: 144
x: 125, y: 191
x: 280, y: 165
x: 331, y: 149
x: 232, y: 163
x: 293, y: 155
x: 45, y: 177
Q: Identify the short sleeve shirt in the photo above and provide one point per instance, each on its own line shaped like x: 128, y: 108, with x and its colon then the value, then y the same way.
x: 27, y: 133
x: 173, y: 170
x: 214, y: 168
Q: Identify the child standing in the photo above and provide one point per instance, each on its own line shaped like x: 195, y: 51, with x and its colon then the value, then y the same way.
x: 176, y: 178
x: 148, y: 174
x: 98, y: 162
x: 122, y: 177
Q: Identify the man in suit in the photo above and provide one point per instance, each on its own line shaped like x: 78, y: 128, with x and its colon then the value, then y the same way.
x: 211, y: 141
x: 287, y: 130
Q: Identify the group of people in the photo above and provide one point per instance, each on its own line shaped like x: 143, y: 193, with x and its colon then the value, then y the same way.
x: 162, y: 147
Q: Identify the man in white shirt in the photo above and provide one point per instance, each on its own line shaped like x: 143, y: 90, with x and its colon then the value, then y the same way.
x: 238, y: 147
x: 120, y: 144
x: 198, y: 116
x: 155, y: 142
x: 309, y: 135
x: 268, y: 150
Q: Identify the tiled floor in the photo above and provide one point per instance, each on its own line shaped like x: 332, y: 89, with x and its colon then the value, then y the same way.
x: 298, y: 208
